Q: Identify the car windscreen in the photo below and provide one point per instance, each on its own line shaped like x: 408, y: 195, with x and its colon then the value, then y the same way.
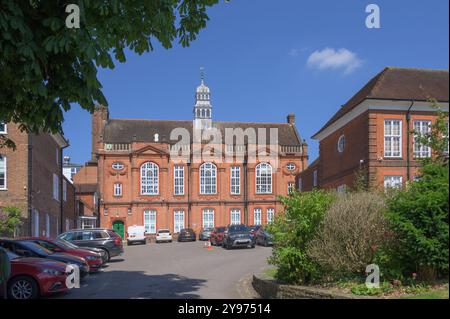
x: 65, y: 244
x: 238, y: 228
x: 36, y: 248
x: 220, y: 229
x: 163, y: 231
x: 11, y: 256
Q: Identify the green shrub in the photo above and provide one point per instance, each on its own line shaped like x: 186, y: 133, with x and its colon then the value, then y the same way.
x: 353, y: 229
x: 419, y: 218
x: 10, y: 218
x: 293, y: 232
x: 363, y: 290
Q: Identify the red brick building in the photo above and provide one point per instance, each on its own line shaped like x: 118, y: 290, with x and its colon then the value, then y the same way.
x: 371, y: 136
x: 31, y: 179
x: 148, y: 176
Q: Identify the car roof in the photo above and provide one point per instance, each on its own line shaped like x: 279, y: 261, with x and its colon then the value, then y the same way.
x: 88, y: 229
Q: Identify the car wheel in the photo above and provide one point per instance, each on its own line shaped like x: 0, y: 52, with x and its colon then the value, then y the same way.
x: 108, y: 257
x: 23, y: 287
x: 128, y: 243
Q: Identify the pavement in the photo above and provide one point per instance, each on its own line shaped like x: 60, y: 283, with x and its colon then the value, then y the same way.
x: 176, y: 270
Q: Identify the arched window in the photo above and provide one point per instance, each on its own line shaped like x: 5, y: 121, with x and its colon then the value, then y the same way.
x: 263, y: 178
x: 208, y: 178
x: 149, y: 179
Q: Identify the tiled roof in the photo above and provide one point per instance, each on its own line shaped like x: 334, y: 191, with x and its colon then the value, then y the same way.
x: 126, y: 131
x: 399, y: 84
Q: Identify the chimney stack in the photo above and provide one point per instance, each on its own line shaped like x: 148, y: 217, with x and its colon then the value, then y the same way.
x: 291, y: 118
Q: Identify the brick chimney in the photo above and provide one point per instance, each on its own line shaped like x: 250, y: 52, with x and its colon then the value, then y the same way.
x: 291, y: 118
x: 99, y: 119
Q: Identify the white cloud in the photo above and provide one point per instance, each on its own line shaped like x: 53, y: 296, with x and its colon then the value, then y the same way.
x: 330, y: 58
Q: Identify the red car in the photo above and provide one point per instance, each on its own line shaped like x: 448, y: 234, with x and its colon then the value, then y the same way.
x: 216, y: 236
x: 34, y: 277
x: 93, y: 259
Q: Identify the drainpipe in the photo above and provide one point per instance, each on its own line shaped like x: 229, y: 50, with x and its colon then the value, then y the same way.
x: 29, y: 184
x: 61, y: 181
x: 189, y: 192
x: 408, y: 156
x: 245, y: 191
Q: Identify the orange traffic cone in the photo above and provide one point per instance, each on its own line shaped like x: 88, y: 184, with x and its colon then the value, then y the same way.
x: 209, y: 245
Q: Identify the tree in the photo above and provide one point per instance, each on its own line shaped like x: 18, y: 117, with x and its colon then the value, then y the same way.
x: 45, y: 66
x: 294, y: 230
x: 10, y: 219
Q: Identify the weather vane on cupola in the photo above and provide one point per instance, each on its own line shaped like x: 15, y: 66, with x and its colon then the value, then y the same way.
x: 203, y: 107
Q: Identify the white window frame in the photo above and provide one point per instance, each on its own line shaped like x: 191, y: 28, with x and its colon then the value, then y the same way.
x: 178, y: 220
x: 117, y: 166
x: 47, y: 225
x: 178, y: 180
x: 56, y: 187
x: 389, y: 181
x: 235, y: 180
x: 390, y: 139
x: 422, y: 127
x: 208, y: 218
x: 208, y: 179
x: 341, y: 188
x: 315, y: 179
x: 36, y: 225
x: 64, y: 190
x: 4, y: 172
x: 235, y: 216
x: 263, y: 176
x: 257, y: 216
x: 67, y: 224
x: 5, y: 128
x: 341, y: 144
x: 150, y: 221
x: 291, y: 166
x: 290, y: 187
x: 117, y: 189
x: 149, y: 179
x: 270, y: 215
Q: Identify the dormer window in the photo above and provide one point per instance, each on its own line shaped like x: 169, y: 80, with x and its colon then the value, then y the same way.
x: 156, y: 137
x: 117, y: 166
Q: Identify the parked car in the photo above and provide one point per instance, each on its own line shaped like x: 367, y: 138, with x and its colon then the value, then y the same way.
x: 35, y: 277
x: 205, y: 233
x: 263, y: 238
x: 93, y: 259
x: 136, y: 234
x: 217, y: 236
x: 186, y: 234
x: 163, y: 235
x: 238, y: 236
x: 29, y: 249
x: 106, y: 239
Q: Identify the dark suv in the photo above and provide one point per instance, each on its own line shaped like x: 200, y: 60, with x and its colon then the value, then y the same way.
x: 238, y: 236
x: 106, y: 239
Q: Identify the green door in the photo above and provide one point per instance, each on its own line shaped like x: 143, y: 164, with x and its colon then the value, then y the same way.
x: 118, y: 227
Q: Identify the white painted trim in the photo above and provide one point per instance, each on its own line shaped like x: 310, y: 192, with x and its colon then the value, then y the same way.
x: 5, y: 187
x: 401, y: 138
x: 372, y: 104
x: 5, y: 130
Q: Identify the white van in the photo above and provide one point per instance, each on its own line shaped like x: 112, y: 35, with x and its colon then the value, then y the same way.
x: 136, y: 234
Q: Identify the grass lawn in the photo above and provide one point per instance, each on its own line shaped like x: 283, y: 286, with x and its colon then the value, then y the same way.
x: 441, y: 293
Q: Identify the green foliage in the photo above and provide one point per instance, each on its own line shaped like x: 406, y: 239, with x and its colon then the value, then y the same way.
x: 437, y: 138
x: 363, y: 290
x: 294, y: 230
x: 419, y: 219
x: 353, y: 229
x: 45, y: 66
x: 10, y: 218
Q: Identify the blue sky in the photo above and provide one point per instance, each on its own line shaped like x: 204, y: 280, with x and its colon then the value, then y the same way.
x: 265, y: 59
